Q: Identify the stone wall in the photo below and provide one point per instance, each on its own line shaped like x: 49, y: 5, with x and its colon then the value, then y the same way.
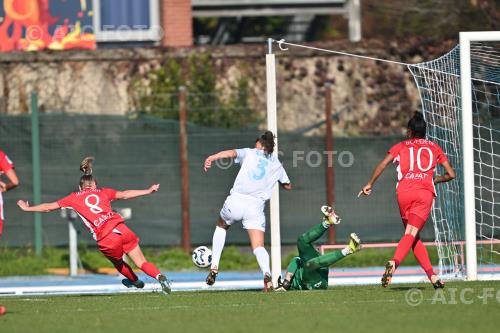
x: 369, y: 97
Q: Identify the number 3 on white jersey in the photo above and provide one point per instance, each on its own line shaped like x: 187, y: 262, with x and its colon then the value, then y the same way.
x: 262, y: 169
x: 419, y: 163
x: 94, y: 207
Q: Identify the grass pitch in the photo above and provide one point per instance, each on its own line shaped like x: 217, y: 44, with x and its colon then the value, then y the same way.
x: 460, y: 307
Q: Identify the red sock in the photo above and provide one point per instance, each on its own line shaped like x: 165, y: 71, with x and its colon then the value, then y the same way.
x: 150, y: 269
x: 403, y: 248
x: 126, y: 271
x: 422, y: 256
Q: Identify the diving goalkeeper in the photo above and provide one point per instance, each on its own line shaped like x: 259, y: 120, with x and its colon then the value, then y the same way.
x: 310, y: 269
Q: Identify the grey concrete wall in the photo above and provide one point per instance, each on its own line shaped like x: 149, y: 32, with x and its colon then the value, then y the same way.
x: 369, y: 97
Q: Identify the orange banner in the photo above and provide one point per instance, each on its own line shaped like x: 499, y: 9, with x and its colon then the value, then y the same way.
x: 25, y: 26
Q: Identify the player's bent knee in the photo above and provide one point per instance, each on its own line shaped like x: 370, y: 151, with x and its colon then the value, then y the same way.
x: 117, y: 263
x: 411, y: 230
x: 301, y: 239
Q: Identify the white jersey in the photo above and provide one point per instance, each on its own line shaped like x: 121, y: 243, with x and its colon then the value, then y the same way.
x: 258, y: 173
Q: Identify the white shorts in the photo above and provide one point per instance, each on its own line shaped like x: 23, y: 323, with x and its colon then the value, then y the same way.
x: 244, y: 208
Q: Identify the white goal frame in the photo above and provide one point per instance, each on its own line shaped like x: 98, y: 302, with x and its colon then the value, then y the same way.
x: 468, y: 144
x: 272, y: 125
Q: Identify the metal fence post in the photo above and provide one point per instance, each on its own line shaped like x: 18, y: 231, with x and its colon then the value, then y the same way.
x: 330, y: 189
x: 35, y: 148
x: 183, y: 151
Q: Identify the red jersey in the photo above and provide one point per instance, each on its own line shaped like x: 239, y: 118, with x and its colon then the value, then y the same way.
x: 416, y: 161
x: 5, y: 163
x: 94, y: 207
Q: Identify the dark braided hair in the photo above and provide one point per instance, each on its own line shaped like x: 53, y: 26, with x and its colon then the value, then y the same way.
x: 267, y: 141
x: 417, y: 125
x: 86, y: 168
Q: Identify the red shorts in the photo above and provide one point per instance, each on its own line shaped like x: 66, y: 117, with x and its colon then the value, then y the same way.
x: 418, y: 202
x: 118, y: 242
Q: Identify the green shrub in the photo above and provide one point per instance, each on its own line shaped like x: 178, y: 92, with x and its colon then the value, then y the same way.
x: 156, y: 93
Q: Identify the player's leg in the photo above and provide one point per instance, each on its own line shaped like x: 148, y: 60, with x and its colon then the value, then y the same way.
x: 130, y: 245
x: 421, y: 254
x: 306, y: 249
x: 131, y: 279
x: 111, y: 247
x: 422, y: 257
x: 229, y: 214
x: 149, y: 268
x: 257, y: 243
x: 326, y: 260
x: 415, y: 208
x: 415, y: 224
x: 406, y: 203
x: 314, y: 276
x: 218, y: 242
x: 407, y: 242
x: 254, y: 222
x: 404, y: 246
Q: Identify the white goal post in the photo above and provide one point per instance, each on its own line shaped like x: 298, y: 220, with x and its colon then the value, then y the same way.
x: 272, y: 125
x: 468, y: 143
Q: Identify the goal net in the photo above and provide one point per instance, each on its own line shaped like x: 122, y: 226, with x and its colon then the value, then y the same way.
x: 439, y: 85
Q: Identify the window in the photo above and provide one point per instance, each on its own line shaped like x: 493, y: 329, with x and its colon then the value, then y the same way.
x: 126, y: 20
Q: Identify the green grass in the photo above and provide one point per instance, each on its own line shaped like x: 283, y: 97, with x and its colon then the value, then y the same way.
x: 341, y: 309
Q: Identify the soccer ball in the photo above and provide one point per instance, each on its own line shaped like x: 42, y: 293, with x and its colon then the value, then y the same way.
x: 202, y: 256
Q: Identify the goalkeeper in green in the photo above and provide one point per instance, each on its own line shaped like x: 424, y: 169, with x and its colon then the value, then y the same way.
x: 310, y: 269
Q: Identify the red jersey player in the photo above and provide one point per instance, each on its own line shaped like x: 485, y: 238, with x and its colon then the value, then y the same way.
x: 416, y: 159
x: 113, y: 237
x: 7, y: 169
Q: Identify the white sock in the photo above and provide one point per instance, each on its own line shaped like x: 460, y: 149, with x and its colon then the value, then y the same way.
x: 346, y: 251
x: 263, y: 259
x: 217, y: 246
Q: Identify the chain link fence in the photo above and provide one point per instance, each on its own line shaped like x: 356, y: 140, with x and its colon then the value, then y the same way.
x: 138, y: 150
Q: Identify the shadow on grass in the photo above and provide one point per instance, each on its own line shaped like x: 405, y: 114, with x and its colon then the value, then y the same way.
x: 406, y: 288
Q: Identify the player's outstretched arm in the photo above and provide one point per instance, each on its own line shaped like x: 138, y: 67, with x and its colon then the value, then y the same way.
x: 13, y: 181
x: 222, y: 154
x: 43, y: 208
x: 449, y: 175
x: 367, y: 189
x: 129, y: 194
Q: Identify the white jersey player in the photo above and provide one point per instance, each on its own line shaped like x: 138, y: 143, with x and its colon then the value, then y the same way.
x: 259, y: 172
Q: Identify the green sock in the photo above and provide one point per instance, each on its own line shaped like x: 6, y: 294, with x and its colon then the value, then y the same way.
x: 313, y: 234
x: 325, y: 260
